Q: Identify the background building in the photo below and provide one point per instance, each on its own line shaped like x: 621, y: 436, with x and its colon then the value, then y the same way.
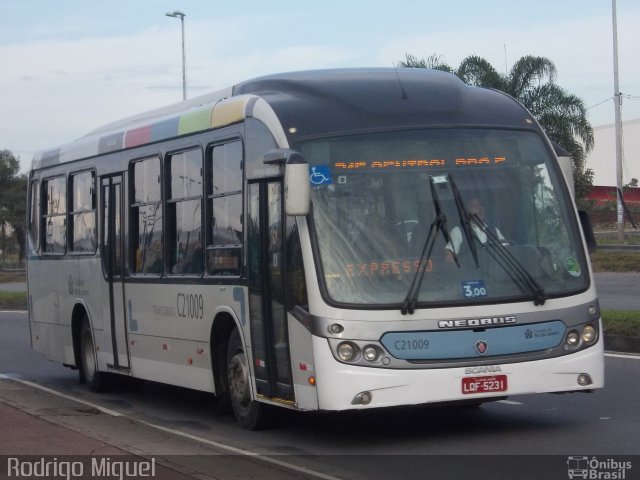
x: 602, y: 158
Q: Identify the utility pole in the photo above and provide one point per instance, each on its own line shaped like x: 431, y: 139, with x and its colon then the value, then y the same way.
x: 617, y: 98
x: 180, y: 15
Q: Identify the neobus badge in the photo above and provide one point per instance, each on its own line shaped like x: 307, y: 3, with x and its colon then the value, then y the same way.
x: 477, y: 322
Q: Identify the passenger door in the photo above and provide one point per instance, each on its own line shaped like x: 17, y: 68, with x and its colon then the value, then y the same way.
x: 112, y: 248
x: 267, y: 293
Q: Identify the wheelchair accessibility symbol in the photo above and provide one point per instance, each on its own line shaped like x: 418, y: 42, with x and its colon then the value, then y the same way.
x: 320, y: 175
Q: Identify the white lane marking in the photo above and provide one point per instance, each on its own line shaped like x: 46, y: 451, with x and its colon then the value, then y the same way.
x: 246, y: 453
x: 13, y: 311
x: 221, y: 446
x: 108, y: 411
x: 623, y: 355
x: 510, y: 402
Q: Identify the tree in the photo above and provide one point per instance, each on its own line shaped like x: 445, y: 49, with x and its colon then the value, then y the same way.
x: 531, y: 81
x: 433, y: 62
x: 13, y: 198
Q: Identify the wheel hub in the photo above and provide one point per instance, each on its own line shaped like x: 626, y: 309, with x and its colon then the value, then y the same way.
x: 239, y: 378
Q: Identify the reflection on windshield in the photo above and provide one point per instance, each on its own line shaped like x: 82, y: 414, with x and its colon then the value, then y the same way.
x: 373, y: 209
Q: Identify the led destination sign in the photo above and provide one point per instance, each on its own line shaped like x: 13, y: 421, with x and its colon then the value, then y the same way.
x: 419, y: 163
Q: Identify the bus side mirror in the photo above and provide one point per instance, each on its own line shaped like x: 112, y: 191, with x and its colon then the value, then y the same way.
x: 587, y: 229
x: 297, y: 189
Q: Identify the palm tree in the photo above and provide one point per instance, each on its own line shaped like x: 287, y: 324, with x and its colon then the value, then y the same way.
x: 531, y: 81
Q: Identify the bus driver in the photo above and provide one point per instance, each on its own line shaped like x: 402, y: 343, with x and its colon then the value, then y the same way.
x: 476, y: 210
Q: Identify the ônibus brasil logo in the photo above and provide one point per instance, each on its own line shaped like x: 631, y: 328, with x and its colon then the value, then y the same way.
x: 597, y: 469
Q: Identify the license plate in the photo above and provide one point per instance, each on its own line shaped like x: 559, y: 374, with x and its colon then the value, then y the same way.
x: 494, y: 383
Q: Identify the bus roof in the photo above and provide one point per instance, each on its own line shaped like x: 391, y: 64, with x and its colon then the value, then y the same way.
x: 325, y: 102
x: 311, y: 103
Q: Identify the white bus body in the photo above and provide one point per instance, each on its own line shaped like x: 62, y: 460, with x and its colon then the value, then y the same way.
x: 181, y: 246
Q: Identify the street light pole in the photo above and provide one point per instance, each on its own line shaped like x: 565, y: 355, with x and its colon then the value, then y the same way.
x: 180, y: 15
x: 617, y: 98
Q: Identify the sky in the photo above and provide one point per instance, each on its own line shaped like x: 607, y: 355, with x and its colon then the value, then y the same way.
x: 70, y: 66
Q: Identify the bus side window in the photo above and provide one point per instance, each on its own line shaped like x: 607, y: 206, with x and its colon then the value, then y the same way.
x: 34, y: 215
x: 146, y: 217
x: 54, y: 219
x: 297, y: 285
x: 184, y: 212
x: 83, y: 212
x: 225, y: 232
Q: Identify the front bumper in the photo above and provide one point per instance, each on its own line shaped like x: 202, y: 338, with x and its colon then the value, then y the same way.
x: 338, y: 384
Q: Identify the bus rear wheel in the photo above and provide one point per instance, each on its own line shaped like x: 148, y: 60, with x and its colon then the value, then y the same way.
x: 89, y: 372
x: 250, y: 414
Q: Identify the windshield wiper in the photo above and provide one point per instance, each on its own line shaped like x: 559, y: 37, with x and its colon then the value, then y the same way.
x: 439, y: 224
x: 465, y: 220
x: 510, y: 264
x: 498, y: 251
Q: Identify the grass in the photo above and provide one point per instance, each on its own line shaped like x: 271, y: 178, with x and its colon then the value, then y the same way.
x: 13, y: 300
x: 631, y: 237
x: 615, y: 261
x: 625, y: 323
x: 10, y: 276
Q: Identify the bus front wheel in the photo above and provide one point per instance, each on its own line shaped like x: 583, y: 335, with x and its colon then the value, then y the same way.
x: 88, y: 362
x: 249, y: 413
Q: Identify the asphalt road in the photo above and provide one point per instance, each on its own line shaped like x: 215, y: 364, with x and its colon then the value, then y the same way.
x: 397, y: 443
x: 618, y: 291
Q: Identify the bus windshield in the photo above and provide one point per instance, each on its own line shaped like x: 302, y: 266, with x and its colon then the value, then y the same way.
x: 491, y: 199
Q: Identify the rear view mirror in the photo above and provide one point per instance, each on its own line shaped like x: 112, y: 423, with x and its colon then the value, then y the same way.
x: 587, y: 229
x: 297, y: 189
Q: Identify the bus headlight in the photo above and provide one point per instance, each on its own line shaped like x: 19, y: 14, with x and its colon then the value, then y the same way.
x: 573, y: 339
x: 370, y: 353
x: 588, y: 334
x: 347, y: 351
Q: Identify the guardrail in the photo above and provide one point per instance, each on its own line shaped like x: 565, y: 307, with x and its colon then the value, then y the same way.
x: 620, y: 248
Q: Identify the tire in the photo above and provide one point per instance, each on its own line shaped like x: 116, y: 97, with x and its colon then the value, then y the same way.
x: 89, y: 373
x: 250, y: 414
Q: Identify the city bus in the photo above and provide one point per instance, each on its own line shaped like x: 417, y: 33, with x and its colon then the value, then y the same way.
x: 313, y: 241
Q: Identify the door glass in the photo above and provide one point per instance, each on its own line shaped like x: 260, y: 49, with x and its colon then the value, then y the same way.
x: 106, y: 243
x: 256, y: 290
x: 276, y: 281
x: 117, y: 250
x: 111, y: 228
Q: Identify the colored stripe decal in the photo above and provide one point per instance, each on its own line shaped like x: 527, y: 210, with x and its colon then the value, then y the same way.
x: 165, y: 129
x: 228, y: 112
x: 137, y: 136
x: 195, y: 121
x: 111, y: 142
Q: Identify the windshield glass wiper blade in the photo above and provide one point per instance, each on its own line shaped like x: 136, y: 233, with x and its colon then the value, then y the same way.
x: 510, y: 264
x: 438, y: 225
x: 465, y: 220
x: 498, y: 251
x: 408, y: 306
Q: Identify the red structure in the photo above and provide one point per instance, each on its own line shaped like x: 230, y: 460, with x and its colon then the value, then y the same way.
x: 602, y: 194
